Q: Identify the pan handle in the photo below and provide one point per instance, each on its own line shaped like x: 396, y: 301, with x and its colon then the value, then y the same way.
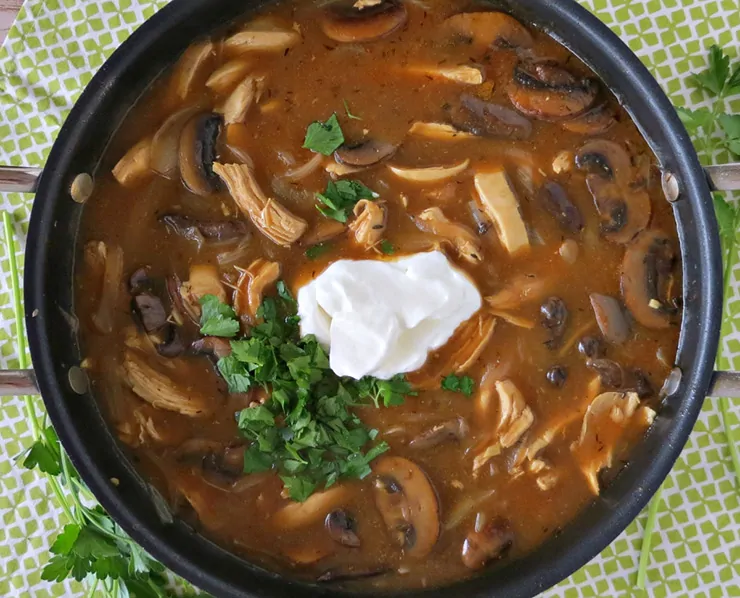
x: 14, y: 383
x: 19, y: 179
x: 724, y: 177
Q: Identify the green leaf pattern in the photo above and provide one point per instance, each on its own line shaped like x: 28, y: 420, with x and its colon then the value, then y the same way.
x: 50, y: 55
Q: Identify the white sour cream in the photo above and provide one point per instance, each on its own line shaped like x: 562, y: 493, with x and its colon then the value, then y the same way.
x: 382, y: 318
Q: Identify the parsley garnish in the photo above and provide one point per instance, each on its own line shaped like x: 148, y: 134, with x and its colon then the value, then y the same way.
x: 463, y: 384
x: 216, y: 318
x: 324, y: 138
x: 306, y: 430
x: 317, y: 250
x: 340, y: 198
x: 387, y: 247
x: 349, y: 114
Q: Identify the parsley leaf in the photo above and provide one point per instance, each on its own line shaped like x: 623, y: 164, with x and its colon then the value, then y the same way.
x: 217, y: 319
x: 462, y: 384
x: 317, y: 250
x: 325, y: 137
x: 390, y: 392
x: 340, y: 198
x: 694, y: 120
x: 714, y: 77
x: 387, y: 247
x: 299, y: 487
x: 349, y: 114
x: 284, y: 292
x: 730, y: 124
x: 41, y: 456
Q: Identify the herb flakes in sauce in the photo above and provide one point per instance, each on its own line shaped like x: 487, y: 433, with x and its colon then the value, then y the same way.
x: 325, y: 137
x: 306, y: 429
x: 462, y: 384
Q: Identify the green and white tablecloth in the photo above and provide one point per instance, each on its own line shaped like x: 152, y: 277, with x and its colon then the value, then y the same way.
x: 53, y: 51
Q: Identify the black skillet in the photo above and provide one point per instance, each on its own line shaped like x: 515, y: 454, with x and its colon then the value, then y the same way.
x: 51, y: 253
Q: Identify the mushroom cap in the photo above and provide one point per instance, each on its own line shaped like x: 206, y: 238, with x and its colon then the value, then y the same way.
x: 364, y: 154
x: 353, y: 21
x: 486, y: 29
x: 408, y: 504
x: 487, y: 119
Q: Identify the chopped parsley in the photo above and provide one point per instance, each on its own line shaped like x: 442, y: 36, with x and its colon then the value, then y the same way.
x: 462, y: 384
x: 387, y: 247
x: 306, y: 430
x: 325, y: 137
x: 216, y: 318
x: 340, y: 198
x: 317, y: 250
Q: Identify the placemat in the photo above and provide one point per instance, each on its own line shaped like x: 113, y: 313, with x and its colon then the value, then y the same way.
x: 53, y: 51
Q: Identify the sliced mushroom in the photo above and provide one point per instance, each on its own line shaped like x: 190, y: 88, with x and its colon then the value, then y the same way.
x: 593, y: 122
x: 431, y: 174
x: 315, y: 508
x: 133, y: 169
x: 592, y: 347
x: 439, y: 131
x: 364, y: 154
x: 547, y: 91
x: 369, y: 223
x: 408, y: 504
x: 306, y: 554
x: 499, y: 201
x: 349, y: 573
x: 648, y: 278
x: 263, y: 40
x: 103, y: 316
x: 468, y: 75
x: 276, y: 222
x: 453, y: 430
x: 211, y: 345
x: 487, y: 119
x: 554, y: 320
x: 190, y: 68
x: 607, y: 419
x: 160, y: 391
x: 165, y: 149
x: 252, y: 284
x: 624, y: 207
x: 352, y: 21
x: 610, y: 318
x: 342, y: 528
x: 225, y: 78
x: 489, y: 543
x: 247, y: 93
x: 463, y: 239
x: 556, y: 202
x: 198, y: 152
x: 209, y: 230
x: 610, y: 372
x: 490, y: 29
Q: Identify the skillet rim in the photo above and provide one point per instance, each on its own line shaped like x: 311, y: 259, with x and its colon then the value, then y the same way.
x: 231, y: 576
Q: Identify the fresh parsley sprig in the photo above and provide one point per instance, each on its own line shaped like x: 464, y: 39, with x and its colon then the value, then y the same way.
x: 324, y: 137
x: 340, y: 198
x: 461, y: 384
x: 307, y: 430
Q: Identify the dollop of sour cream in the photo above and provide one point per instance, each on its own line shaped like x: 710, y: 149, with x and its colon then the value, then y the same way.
x: 382, y: 318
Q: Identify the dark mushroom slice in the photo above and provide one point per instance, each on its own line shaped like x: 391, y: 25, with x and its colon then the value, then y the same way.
x: 595, y: 121
x: 454, y: 430
x: 624, y: 207
x: 556, y: 202
x: 547, y: 91
x: 611, y: 373
x: 149, y: 311
x: 557, y: 375
x: 214, y: 346
x: 554, y: 320
x: 490, y: 543
x: 408, y: 504
x: 349, y: 573
x: 610, y: 317
x: 342, y: 528
x: 639, y: 382
x: 592, y: 347
x: 139, y: 280
x: 487, y: 119
x: 648, y: 280
x: 198, y: 153
x: 353, y: 21
x: 209, y: 230
x: 484, y: 30
x: 364, y: 154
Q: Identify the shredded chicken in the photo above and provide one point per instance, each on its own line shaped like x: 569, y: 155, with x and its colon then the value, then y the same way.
x: 276, y: 222
x: 521, y: 289
x: 464, y: 240
x: 160, y: 391
x: 112, y: 283
x: 247, y: 93
x: 252, y: 284
x: 133, y: 168
x: 204, y: 280
x: 369, y: 223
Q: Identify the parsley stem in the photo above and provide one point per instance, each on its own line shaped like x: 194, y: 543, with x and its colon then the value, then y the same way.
x: 724, y: 407
x: 647, y: 538
x: 79, y: 508
x: 93, y: 589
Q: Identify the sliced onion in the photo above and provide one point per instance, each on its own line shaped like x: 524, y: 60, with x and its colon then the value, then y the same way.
x: 296, y: 174
x: 165, y: 149
x: 103, y: 317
